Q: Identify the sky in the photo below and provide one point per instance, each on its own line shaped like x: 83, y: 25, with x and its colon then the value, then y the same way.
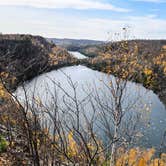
x: 85, y: 19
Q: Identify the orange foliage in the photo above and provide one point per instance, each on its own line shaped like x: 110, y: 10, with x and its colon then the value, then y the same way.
x: 136, y: 157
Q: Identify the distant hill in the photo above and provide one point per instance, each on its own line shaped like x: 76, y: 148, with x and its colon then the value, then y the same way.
x: 74, y: 44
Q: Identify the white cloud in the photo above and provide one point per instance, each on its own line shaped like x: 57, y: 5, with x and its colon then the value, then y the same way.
x: 148, y: 27
x: 62, y: 25
x: 62, y: 4
x: 141, y: 27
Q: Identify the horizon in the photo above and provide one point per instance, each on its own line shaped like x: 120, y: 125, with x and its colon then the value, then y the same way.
x: 82, y: 38
x: 85, y: 19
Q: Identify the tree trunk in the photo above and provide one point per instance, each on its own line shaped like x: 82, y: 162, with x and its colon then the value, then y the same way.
x: 113, y: 149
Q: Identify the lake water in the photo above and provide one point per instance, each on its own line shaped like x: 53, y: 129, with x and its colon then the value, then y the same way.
x: 89, y: 81
x: 77, y: 55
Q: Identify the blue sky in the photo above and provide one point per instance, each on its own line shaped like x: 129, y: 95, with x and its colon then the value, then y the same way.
x: 84, y: 19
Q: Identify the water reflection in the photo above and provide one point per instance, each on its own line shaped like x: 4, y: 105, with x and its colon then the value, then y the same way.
x: 144, y: 101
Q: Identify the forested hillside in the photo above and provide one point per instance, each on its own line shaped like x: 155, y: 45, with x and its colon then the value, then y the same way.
x: 24, y: 56
x: 142, y: 61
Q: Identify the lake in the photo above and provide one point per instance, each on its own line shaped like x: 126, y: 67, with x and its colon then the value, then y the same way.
x: 77, y: 55
x: 152, y: 124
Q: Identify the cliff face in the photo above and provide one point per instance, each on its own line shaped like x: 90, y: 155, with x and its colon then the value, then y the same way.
x: 22, y: 57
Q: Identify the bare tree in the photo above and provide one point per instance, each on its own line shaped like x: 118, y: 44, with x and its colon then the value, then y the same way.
x: 68, y: 129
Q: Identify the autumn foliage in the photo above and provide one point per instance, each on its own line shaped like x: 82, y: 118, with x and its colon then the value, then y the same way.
x: 138, y: 157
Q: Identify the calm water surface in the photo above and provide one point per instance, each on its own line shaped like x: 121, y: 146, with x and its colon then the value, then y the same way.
x: 77, y: 55
x: 152, y: 108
